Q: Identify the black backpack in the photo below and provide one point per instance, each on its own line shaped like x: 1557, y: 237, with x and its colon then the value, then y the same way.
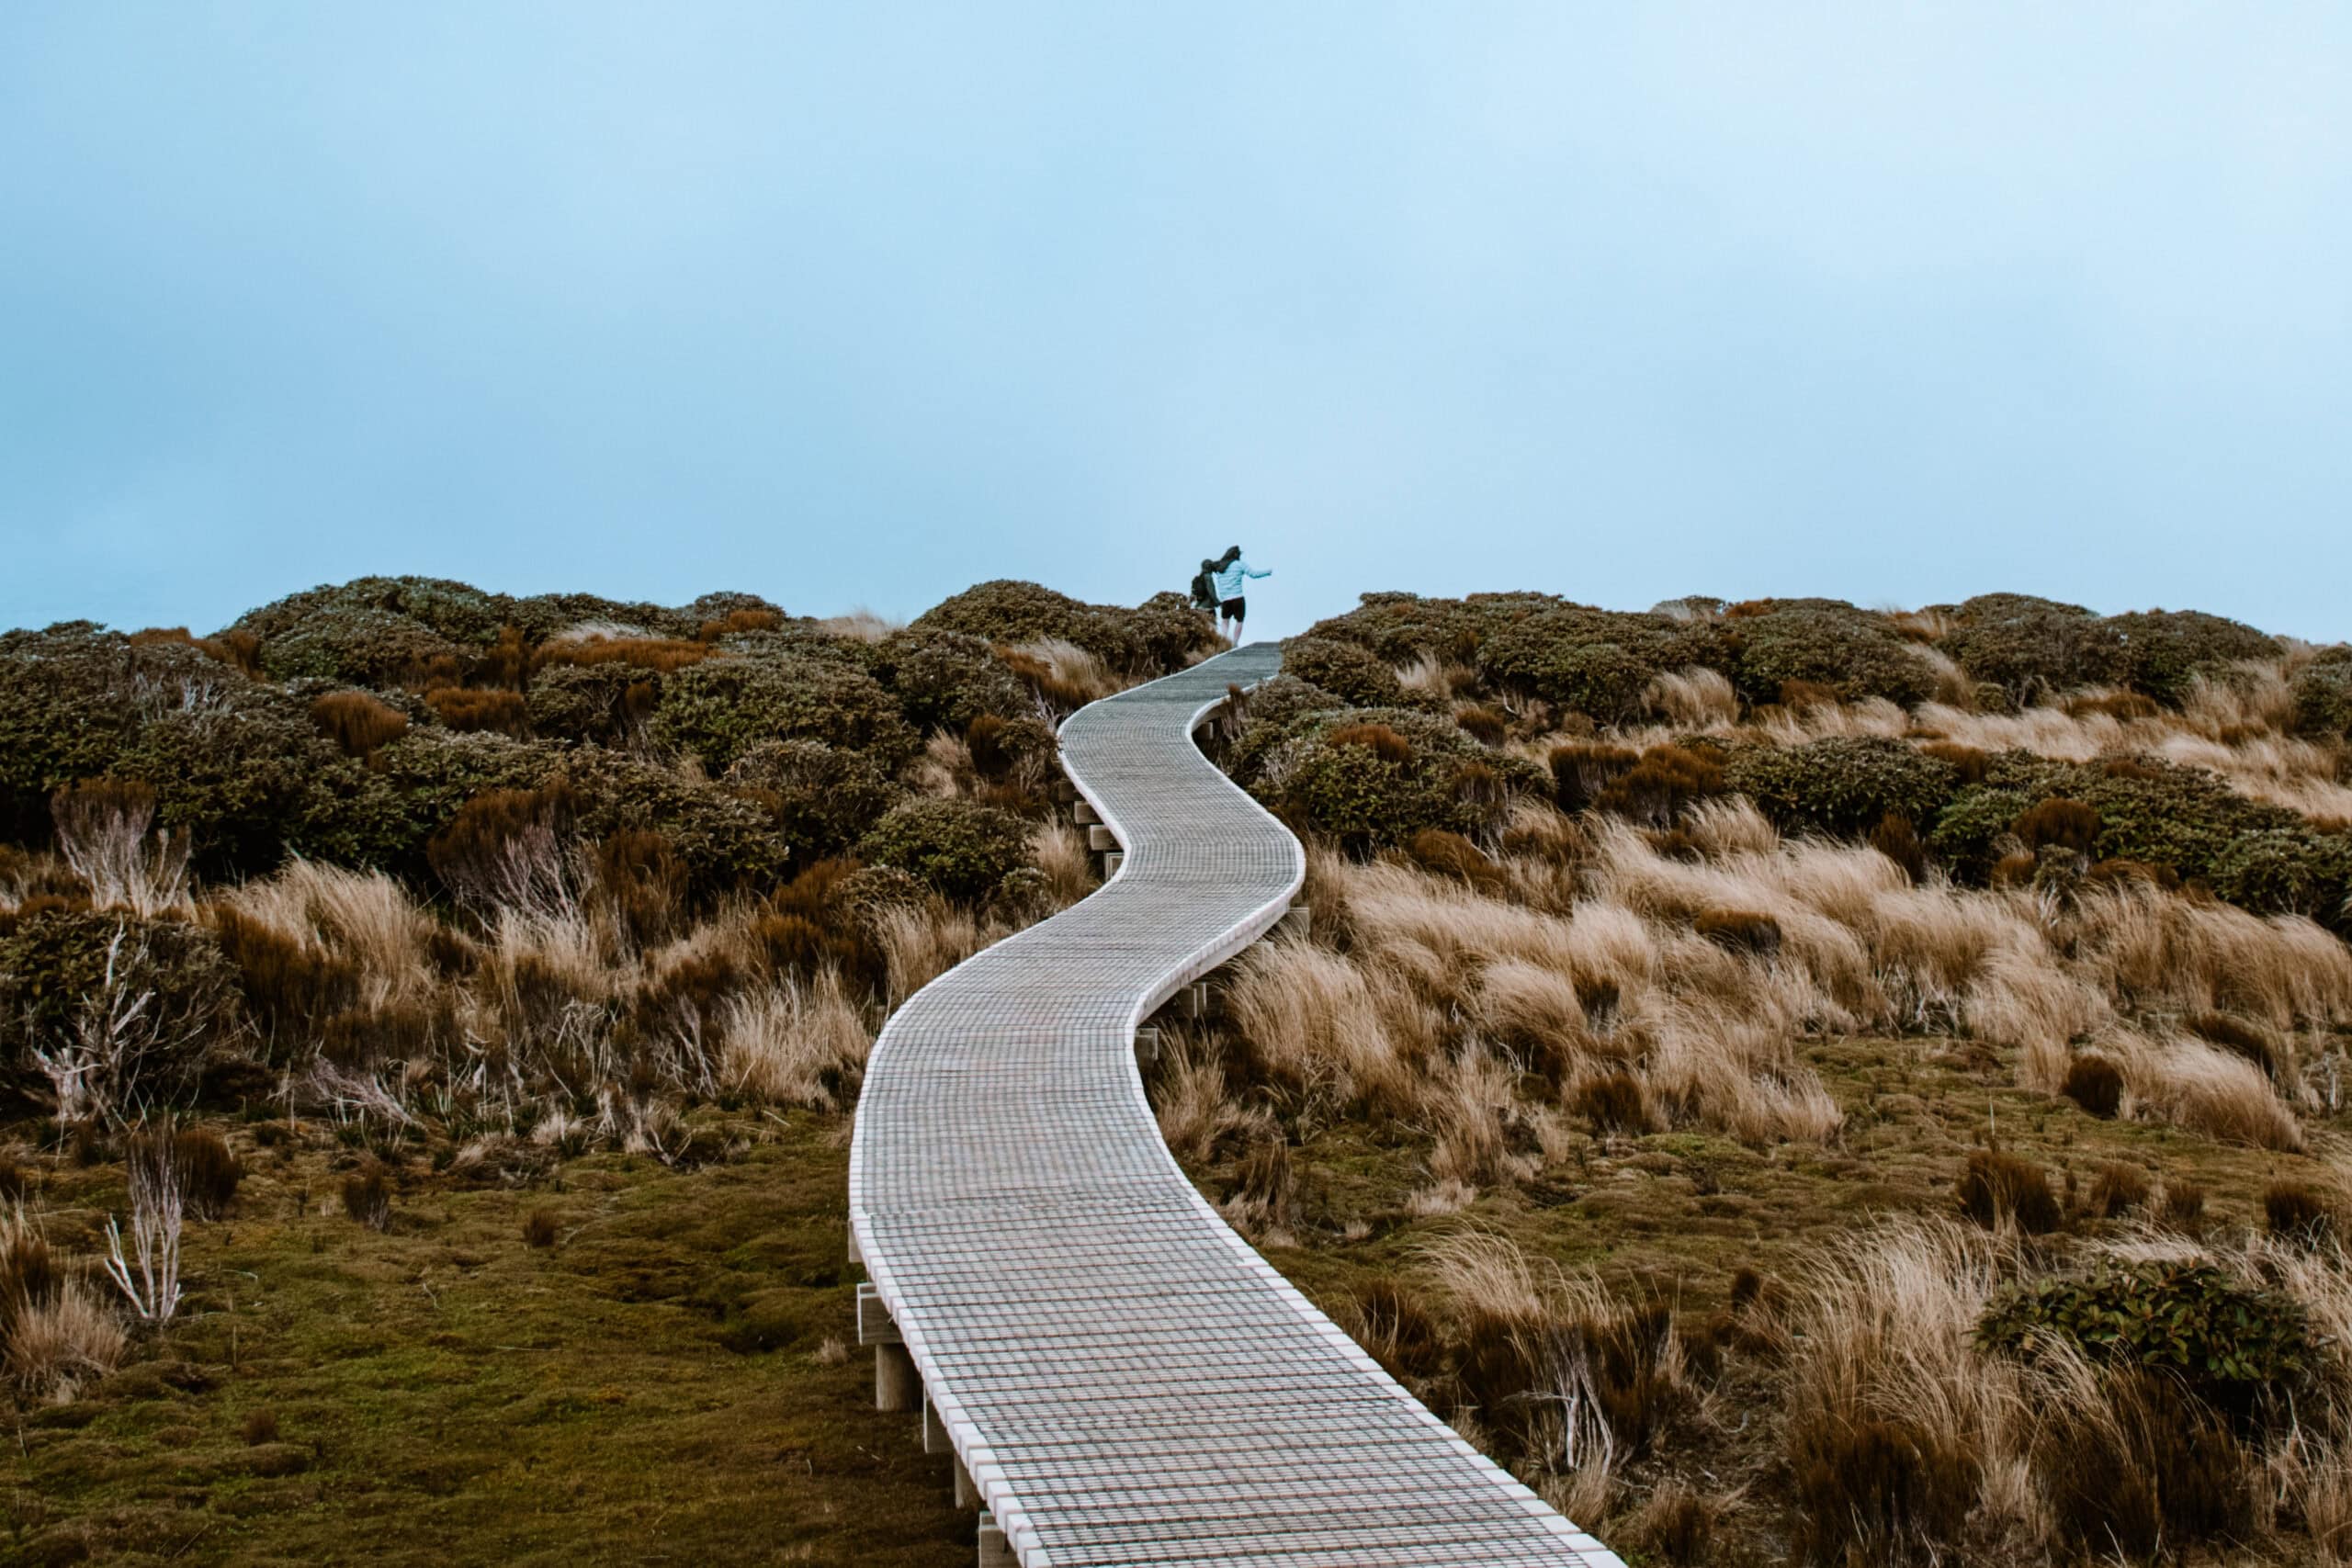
x: 1203, y: 591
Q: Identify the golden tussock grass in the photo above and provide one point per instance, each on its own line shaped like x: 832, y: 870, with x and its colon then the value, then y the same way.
x: 794, y: 1042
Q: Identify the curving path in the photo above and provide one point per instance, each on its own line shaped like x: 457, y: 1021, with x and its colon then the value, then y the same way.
x: 1124, y: 1380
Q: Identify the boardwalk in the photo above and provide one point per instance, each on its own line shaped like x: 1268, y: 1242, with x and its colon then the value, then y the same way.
x: 1124, y: 1380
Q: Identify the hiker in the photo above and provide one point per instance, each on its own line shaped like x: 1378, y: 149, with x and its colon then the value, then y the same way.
x: 1204, y: 587
x: 1232, y: 574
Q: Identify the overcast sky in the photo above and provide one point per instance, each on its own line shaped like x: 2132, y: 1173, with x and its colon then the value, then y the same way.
x: 858, y: 304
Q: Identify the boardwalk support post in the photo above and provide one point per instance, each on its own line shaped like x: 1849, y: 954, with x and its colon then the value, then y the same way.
x: 1147, y: 1047
x: 1085, y: 814
x: 1193, y: 999
x: 996, y: 1552
x: 1112, y: 861
x: 967, y: 1494
x: 1101, y: 838
x: 897, y: 1385
x: 1298, y: 919
x: 935, y: 1436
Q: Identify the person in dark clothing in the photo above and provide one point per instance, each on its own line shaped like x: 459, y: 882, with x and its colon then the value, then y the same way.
x: 1232, y: 574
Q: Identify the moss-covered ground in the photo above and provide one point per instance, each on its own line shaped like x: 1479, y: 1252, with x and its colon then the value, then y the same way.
x: 656, y: 1385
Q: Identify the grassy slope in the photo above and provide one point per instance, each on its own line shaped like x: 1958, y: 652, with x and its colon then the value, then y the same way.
x: 1673, y: 1215
x: 647, y: 1390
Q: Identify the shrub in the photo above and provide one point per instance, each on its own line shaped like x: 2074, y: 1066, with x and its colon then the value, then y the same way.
x: 1597, y: 662
x: 2286, y: 871
x: 357, y: 721
x: 822, y: 799
x: 2031, y: 651
x: 946, y: 680
x: 1373, y: 777
x: 724, y: 838
x: 2294, y: 1212
x: 506, y: 849
x: 2169, y: 649
x: 1997, y: 1187
x: 365, y: 647
x: 603, y: 702
x: 1343, y: 669
x: 139, y: 1006
x: 412, y: 790
x: 2322, y: 694
x: 959, y: 848
x: 1012, y: 611
x: 2095, y: 1084
x: 467, y: 708
x: 1853, y: 652
x: 721, y: 709
x: 2228, y: 1343
x: 2184, y: 817
x: 1841, y: 785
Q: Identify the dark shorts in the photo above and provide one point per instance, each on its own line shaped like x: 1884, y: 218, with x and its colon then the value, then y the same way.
x: 1233, y: 609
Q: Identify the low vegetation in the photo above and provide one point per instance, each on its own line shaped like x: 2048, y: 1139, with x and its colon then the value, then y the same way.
x: 430, y: 1020
x: 1795, y: 1083
x: 1800, y: 1084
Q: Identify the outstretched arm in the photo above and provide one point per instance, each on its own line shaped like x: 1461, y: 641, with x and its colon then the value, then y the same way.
x: 1253, y: 571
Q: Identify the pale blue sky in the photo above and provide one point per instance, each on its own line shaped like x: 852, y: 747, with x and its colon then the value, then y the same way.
x: 860, y: 303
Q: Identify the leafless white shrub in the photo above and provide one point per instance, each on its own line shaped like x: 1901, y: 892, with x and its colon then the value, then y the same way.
x: 150, y: 1276
x: 102, y: 831
x: 118, y: 1028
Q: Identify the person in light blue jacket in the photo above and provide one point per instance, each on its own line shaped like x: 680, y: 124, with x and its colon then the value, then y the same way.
x: 1232, y: 577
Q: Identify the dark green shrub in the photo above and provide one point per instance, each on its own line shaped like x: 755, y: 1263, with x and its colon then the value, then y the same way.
x: 453, y: 613
x: 601, y: 703
x: 1598, y: 662
x: 723, y: 838
x: 1841, y: 785
x: 2184, y: 817
x: 2286, y: 871
x: 2037, y: 649
x: 1011, y: 611
x: 1399, y: 628
x: 2228, y: 1343
x: 719, y: 709
x: 54, y: 964
x: 414, y: 788
x: 2169, y: 649
x: 961, y: 849
x: 364, y: 647
x: 1854, y: 652
x: 1268, y: 712
x: 945, y: 680
x: 821, y: 798
x: 1347, y: 671
x: 2322, y: 692
x: 1170, y: 631
x: 1373, y: 777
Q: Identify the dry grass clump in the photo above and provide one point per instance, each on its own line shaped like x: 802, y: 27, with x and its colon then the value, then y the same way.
x: 795, y: 1042
x: 1065, y: 676
x: 1996, y: 1189
x: 102, y: 832
x: 54, y: 1330
x: 357, y: 722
